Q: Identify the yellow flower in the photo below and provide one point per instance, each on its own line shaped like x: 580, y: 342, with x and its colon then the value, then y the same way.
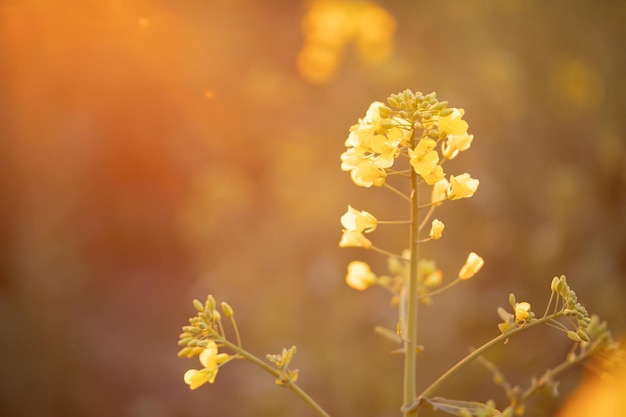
x: 360, y: 221
x: 434, y: 278
x: 424, y: 160
x: 366, y: 174
x: 360, y: 276
x: 354, y: 239
x: 456, y: 143
x: 436, y: 229
x: 440, y: 192
x: 209, y: 358
x: 471, y: 267
x: 522, y: 311
x: 462, y: 186
x: 454, y: 129
x: 453, y: 124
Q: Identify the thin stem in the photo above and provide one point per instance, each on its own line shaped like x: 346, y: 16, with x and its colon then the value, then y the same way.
x: 268, y: 368
x: 481, y: 350
x: 410, y: 356
x: 396, y: 191
x: 440, y: 290
x: 236, y: 329
x: 385, y: 252
x: 394, y: 221
x: 426, y: 217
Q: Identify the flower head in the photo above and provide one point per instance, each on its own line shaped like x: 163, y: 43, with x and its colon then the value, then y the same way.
x: 209, y: 358
x: 360, y: 221
x: 354, y: 239
x: 373, y: 145
x: 436, y: 229
x: 522, y: 311
x: 472, y: 266
x: 360, y: 276
x: 462, y: 186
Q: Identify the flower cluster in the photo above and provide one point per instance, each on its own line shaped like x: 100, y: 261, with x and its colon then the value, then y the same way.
x: 412, y: 136
x: 202, y: 338
x: 373, y: 145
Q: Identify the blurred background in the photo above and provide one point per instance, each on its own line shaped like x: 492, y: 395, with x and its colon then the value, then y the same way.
x: 153, y: 152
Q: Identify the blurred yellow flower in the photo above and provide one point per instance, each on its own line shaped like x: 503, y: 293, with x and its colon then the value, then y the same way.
x: 436, y: 229
x: 330, y: 25
x: 424, y: 160
x: 440, y: 192
x: 522, y: 311
x: 209, y: 358
x: 462, y: 186
x: 472, y: 266
x: 360, y: 221
x: 360, y: 276
x: 354, y: 239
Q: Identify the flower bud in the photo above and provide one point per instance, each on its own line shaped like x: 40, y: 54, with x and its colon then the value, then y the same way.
x: 198, y: 305
x: 227, y: 309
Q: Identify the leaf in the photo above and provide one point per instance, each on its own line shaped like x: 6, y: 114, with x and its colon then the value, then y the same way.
x: 461, y: 408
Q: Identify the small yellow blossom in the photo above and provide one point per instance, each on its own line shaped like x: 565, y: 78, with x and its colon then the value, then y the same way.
x: 453, y: 124
x: 462, y: 186
x: 434, y: 279
x: 354, y: 239
x: 436, y: 229
x: 440, y: 192
x: 366, y: 174
x: 360, y: 276
x: 209, y: 358
x: 360, y: 221
x: 522, y: 311
x: 472, y: 266
x: 424, y: 160
x: 454, y: 129
x: 456, y: 143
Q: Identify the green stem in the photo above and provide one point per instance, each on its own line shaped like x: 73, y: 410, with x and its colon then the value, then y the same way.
x: 481, y: 350
x: 440, y: 290
x: 410, y: 356
x: 268, y: 368
x: 396, y: 191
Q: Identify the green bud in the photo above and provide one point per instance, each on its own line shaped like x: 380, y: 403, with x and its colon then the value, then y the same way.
x: 440, y: 106
x: 384, y: 112
x: 198, y: 305
x: 210, y: 303
x: 191, y: 329
x: 227, y: 309
x: 202, y: 343
x: 446, y: 112
x: 581, y: 333
x: 554, y: 286
x: 430, y: 96
x: 574, y: 336
x: 394, y: 100
x: 184, y: 352
x: 184, y: 341
x: 512, y: 300
x: 193, y: 343
x: 433, y: 133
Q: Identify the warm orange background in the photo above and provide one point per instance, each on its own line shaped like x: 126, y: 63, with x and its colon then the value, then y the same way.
x: 153, y: 152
